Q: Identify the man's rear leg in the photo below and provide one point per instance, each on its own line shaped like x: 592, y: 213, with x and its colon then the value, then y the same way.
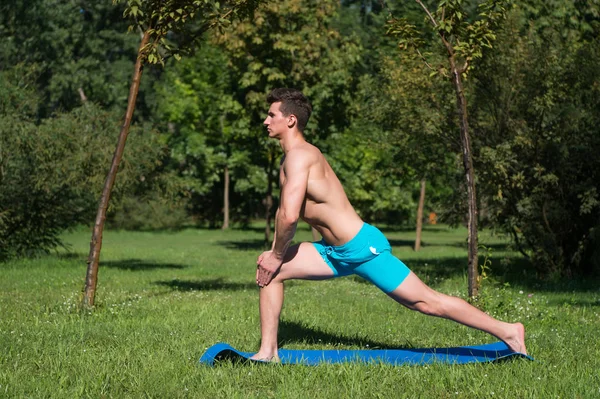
x: 414, y: 294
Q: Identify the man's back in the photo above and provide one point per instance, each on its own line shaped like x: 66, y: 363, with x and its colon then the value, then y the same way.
x: 326, y: 206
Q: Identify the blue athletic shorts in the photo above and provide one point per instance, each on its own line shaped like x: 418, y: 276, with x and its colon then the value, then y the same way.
x: 368, y: 255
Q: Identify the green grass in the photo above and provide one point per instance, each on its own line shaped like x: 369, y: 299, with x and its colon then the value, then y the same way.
x: 164, y: 297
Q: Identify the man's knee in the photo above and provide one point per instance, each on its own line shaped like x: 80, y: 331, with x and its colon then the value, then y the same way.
x: 280, y: 278
x: 433, y: 305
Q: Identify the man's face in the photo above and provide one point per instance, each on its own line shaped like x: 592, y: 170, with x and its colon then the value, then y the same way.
x: 275, y: 122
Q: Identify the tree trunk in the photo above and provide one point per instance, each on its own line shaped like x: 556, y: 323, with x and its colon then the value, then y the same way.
x: 91, y: 278
x: 467, y: 157
x: 465, y: 143
x: 226, y: 199
x: 420, y: 215
x: 82, y: 95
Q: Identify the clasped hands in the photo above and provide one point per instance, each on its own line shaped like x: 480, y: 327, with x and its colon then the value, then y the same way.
x: 268, y: 265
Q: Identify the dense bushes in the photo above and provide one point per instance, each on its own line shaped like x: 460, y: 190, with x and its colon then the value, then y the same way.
x: 538, y: 136
x: 51, y: 173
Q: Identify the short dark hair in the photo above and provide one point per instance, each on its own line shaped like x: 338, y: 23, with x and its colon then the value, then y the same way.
x: 293, y: 102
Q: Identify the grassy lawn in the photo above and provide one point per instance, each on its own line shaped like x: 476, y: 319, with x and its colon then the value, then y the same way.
x: 164, y: 297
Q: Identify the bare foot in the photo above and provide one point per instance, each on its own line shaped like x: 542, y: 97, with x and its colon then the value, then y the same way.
x: 267, y: 358
x: 516, y: 341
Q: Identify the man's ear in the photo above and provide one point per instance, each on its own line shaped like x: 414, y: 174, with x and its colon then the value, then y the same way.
x: 292, y: 120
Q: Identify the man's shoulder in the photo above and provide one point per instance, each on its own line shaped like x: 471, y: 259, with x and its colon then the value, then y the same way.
x: 304, y: 151
x: 301, y: 157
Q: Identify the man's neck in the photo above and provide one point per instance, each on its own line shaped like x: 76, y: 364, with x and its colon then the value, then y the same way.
x: 291, y: 140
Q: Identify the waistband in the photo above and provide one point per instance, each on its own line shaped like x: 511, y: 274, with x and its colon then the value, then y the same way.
x: 355, y: 241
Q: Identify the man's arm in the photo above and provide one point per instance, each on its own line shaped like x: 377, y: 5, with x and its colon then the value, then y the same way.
x: 293, y: 191
x: 275, y: 232
x: 281, y: 175
x: 293, y: 194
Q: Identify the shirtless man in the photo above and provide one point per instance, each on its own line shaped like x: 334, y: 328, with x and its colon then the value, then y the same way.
x: 311, y: 191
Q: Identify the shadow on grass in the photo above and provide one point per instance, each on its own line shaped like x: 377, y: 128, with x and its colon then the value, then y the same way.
x: 71, y: 255
x: 520, y: 272
x: 579, y: 303
x: 256, y: 229
x: 516, y: 271
x: 245, y: 245
x: 139, y: 265
x: 437, y: 268
x: 261, y: 228
x: 206, y: 285
x: 293, y: 332
x: 504, y: 247
x: 463, y: 245
x: 406, y: 243
x: 258, y: 244
x: 410, y: 229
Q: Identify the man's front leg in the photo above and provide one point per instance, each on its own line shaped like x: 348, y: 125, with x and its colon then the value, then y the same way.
x: 302, y: 261
x: 270, y: 304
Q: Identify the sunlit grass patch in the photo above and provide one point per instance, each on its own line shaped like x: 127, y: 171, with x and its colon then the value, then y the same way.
x: 163, y: 298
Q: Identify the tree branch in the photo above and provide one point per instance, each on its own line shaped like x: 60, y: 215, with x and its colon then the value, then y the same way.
x: 82, y: 95
x: 518, y: 243
x: 424, y: 59
x: 428, y: 13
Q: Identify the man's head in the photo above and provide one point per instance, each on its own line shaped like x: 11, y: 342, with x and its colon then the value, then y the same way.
x: 293, y: 103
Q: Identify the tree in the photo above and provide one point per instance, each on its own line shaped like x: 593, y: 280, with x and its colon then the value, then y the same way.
x: 48, y: 168
x: 416, y: 125
x: 423, y: 184
x: 79, y: 48
x: 208, y: 135
x: 462, y: 41
x: 537, y: 109
x: 291, y: 44
x: 187, y: 20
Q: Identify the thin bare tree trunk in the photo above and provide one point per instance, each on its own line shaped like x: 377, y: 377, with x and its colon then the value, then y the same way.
x: 420, y: 215
x: 91, y: 278
x: 82, y: 95
x: 226, y: 200
x: 465, y: 140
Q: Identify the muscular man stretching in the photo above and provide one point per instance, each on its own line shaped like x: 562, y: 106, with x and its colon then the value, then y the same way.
x: 311, y: 191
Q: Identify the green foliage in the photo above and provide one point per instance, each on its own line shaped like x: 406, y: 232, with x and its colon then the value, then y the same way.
x: 149, y: 212
x: 379, y: 119
x: 365, y: 20
x: 463, y: 38
x: 49, y: 171
x: 538, y: 135
x: 77, y: 48
x: 471, y: 37
x: 176, y: 26
x: 377, y: 193
x: 294, y: 44
x: 401, y: 117
x: 216, y: 102
x: 208, y: 132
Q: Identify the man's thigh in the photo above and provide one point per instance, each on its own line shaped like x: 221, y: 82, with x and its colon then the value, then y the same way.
x: 413, y: 291
x: 303, y: 261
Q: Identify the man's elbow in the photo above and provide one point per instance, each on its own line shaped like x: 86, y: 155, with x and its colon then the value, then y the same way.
x: 289, y: 218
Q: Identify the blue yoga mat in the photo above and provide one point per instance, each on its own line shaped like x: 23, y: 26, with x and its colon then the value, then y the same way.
x: 459, y: 355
